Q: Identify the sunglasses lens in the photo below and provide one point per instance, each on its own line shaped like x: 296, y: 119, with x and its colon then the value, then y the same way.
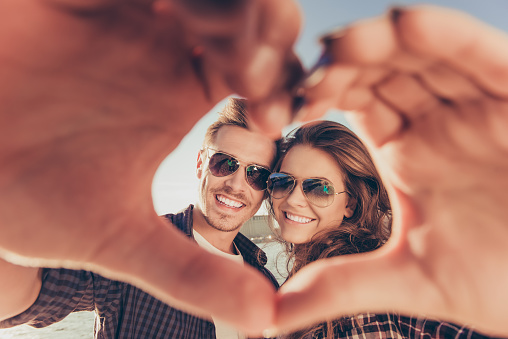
x: 319, y: 192
x: 222, y: 164
x: 279, y: 185
x: 257, y: 176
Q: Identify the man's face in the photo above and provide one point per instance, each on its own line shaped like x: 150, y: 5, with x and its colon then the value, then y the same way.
x: 228, y: 202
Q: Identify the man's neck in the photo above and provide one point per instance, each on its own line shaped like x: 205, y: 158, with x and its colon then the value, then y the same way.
x: 223, y: 241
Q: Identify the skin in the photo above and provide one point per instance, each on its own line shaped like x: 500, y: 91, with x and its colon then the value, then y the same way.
x: 430, y: 98
x: 298, y: 219
x: 217, y: 216
x: 93, y: 96
x: 93, y: 99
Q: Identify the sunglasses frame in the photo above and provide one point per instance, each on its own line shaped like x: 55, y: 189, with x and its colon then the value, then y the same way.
x: 295, y: 182
x: 239, y: 163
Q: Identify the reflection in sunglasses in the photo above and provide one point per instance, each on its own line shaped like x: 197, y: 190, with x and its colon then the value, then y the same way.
x: 319, y: 192
x: 222, y: 164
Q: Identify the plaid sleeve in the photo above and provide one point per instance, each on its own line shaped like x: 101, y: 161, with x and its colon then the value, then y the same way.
x: 62, y: 292
x: 415, y: 327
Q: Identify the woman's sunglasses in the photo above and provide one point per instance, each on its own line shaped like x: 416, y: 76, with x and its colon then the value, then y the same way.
x: 222, y: 164
x: 319, y: 192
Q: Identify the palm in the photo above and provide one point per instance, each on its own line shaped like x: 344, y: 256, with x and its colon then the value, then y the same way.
x: 101, y: 86
x: 94, y: 95
x: 430, y: 100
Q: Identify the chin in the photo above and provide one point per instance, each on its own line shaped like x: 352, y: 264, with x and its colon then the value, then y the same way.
x: 291, y: 238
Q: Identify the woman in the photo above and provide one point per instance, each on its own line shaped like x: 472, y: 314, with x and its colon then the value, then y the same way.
x: 328, y: 200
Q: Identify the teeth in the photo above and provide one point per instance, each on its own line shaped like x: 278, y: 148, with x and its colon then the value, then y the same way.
x: 229, y: 202
x: 297, y: 218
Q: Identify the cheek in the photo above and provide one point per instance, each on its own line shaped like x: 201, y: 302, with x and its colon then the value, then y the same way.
x: 275, y: 206
x: 258, y: 197
x: 331, y: 216
x: 209, y: 181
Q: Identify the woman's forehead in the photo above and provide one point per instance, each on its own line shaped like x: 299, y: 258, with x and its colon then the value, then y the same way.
x: 304, y: 161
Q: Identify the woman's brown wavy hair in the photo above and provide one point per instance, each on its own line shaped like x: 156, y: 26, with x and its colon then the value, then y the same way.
x: 369, y: 226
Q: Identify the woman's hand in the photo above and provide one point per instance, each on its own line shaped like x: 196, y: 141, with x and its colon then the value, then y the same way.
x: 427, y: 90
x: 93, y: 96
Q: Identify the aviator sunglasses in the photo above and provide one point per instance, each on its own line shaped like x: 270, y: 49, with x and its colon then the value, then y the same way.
x: 319, y: 192
x: 222, y: 164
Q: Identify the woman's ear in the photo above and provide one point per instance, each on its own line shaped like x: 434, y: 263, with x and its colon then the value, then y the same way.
x: 350, y: 207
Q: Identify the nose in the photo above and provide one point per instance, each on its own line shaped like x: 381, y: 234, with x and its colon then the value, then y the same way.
x: 237, y: 180
x: 297, y: 197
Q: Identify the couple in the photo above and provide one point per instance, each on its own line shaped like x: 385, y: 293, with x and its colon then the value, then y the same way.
x: 325, y: 194
x: 96, y: 94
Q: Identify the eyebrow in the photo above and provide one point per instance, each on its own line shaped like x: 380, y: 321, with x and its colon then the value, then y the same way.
x: 322, y: 178
x: 247, y: 163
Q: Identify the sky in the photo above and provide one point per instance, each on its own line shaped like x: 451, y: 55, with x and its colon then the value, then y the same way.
x: 175, y: 184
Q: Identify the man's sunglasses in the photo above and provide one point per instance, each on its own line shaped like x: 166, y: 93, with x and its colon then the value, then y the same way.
x: 222, y: 164
x: 319, y: 192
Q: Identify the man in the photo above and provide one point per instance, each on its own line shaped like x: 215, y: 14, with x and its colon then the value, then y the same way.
x: 95, y: 93
x: 233, y: 168
x: 92, y: 98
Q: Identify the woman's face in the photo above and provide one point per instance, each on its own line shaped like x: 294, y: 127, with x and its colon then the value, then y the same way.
x: 298, y: 219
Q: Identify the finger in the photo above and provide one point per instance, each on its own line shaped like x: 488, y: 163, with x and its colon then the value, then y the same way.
x: 377, y: 124
x: 160, y: 259
x: 359, y: 55
x: 345, y: 286
x: 249, y: 45
x: 121, y: 237
x: 350, y: 88
x: 405, y: 94
x: 328, y: 90
x: 414, y: 41
x: 271, y: 114
x: 478, y: 50
x: 349, y: 45
x: 447, y: 83
x: 248, y: 41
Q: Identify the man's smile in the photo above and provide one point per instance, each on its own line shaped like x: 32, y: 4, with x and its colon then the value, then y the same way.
x: 223, y: 200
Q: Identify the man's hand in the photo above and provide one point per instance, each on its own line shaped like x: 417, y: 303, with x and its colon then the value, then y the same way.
x: 428, y: 91
x: 93, y: 96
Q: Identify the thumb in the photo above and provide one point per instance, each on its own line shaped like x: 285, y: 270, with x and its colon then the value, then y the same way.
x: 250, y: 44
x: 247, y: 41
x: 381, y: 281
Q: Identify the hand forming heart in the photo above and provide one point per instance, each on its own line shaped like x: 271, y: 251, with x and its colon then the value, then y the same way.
x: 95, y: 94
x: 428, y: 91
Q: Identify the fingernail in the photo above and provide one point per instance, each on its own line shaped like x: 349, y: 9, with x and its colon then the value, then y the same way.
x: 324, y: 60
x: 318, y: 71
x: 196, y: 59
x: 297, y: 106
x: 270, y: 333
x: 329, y: 37
x: 395, y: 14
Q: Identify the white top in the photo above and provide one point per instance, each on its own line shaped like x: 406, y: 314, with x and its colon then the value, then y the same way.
x: 222, y: 330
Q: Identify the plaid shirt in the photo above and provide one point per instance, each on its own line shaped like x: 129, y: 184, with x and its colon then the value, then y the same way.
x: 392, y: 326
x: 123, y: 310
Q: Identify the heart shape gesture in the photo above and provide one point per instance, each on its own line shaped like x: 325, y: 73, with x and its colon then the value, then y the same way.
x: 428, y: 91
x: 94, y: 94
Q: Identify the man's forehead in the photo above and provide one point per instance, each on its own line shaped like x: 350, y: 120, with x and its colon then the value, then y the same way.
x: 245, y: 145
